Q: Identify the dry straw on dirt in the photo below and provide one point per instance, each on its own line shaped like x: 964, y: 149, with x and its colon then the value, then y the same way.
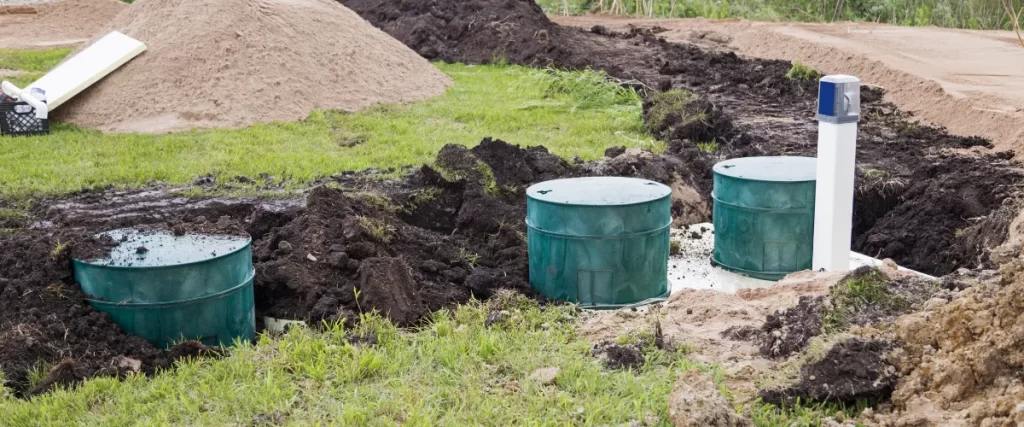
x: 232, y: 63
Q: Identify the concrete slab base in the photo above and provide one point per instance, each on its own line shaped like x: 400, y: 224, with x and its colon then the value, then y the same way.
x: 691, y: 268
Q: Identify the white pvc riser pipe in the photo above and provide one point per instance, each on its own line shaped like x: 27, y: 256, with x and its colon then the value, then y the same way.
x: 838, y: 114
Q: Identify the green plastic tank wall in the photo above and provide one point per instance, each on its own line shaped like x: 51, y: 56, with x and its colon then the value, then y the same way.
x: 601, y: 242
x: 168, y: 288
x: 764, y: 215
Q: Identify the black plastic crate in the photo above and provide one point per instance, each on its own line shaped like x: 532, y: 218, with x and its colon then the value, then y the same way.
x: 19, y: 118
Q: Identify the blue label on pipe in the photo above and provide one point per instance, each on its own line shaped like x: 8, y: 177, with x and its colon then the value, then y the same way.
x: 827, y: 99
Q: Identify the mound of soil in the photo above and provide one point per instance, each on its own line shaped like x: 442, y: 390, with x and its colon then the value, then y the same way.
x: 45, y: 317
x: 962, y: 360
x: 61, y: 22
x: 880, y: 297
x: 233, y: 63
x: 449, y: 233
x: 473, y: 31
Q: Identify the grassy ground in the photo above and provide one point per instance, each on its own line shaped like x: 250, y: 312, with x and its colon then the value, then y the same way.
x: 570, y: 113
x: 973, y: 14
x: 455, y: 371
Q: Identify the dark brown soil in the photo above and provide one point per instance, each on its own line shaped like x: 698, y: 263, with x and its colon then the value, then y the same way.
x: 446, y: 234
x: 787, y: 332
x: 851, y: 372
x: 619, y: 356
x: 45, y: 317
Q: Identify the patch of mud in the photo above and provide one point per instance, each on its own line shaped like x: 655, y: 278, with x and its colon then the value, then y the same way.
x: 851, y: 371
x: 787, y: 332
x: 619, y: 356
x: 866, y: 296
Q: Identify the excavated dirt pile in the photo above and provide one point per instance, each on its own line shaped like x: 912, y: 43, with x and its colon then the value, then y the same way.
x: 961, y: 361
x: 232, y: 63
x: 451, y: 232
x: 45, y: 318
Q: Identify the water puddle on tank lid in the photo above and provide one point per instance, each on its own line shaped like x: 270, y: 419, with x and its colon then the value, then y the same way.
x: 158, y: 248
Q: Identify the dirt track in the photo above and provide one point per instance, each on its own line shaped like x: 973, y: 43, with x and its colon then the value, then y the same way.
x: 971, y: 82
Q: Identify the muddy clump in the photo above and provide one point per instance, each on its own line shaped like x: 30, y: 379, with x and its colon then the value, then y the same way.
x: 851, y: 371
x: 787, y: 332
x: 619, y: 356
x: 386, y: 285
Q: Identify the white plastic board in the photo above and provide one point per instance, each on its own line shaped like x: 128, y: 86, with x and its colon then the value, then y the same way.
x: 87, y: 67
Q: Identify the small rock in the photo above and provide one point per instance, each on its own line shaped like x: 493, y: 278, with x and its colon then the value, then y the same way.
x: 495, y: 317
x: 546, y: 376
x: 127, y: 364
x: 285, y: 247
x: 933, y: 304
x: 338, y: 259
x: 311, y: 257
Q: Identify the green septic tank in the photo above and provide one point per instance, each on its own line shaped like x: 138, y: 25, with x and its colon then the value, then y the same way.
x: 168, y: 288
x: 764, y: 215
x: 602, y: 242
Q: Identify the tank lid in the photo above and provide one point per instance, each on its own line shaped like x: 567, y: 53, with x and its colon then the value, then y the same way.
x: 771, y: 169
x: 598, y: 191
x: 157, y: 248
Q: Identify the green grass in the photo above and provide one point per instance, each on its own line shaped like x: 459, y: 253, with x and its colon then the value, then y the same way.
x: 800, y: 71
x: 859, y: 291
x: 973, y: 14
x: 456, y: 371
x: 802, y: 414
x: 33, y: 61
x: 570, y: 113
x: 674, y: 102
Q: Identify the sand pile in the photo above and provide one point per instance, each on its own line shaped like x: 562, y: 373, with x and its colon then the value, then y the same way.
x: 233, y: 63
x: 58, y: 23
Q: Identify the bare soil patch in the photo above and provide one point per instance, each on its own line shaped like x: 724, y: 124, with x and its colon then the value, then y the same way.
x: 967, y: 81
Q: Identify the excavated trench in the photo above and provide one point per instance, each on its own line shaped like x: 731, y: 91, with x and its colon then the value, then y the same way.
x: 453, y: 230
